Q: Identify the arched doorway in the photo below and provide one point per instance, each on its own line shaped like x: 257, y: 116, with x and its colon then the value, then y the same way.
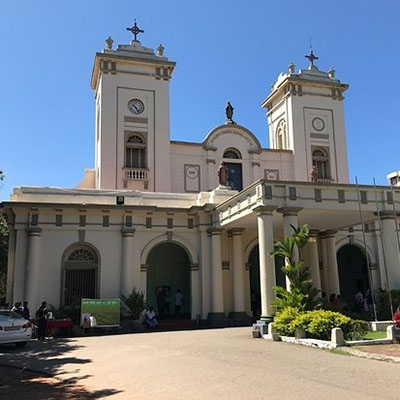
x: 168, y: 270
x: 353, y: 272
x: 255, y: 292
x: 80, y: 275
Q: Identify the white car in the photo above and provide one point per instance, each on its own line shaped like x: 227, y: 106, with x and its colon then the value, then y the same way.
x: 14, y: 328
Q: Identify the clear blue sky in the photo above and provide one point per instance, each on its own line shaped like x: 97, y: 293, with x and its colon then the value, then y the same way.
x: 225, y: 50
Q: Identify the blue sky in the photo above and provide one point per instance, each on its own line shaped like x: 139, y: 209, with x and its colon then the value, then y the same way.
x: 225, y: 50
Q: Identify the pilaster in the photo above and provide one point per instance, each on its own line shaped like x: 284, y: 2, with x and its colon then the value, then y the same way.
x: 216, y: 317
x: 127, y: 266
x: 33, y: 273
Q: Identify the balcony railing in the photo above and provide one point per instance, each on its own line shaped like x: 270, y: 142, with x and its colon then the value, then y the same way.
x: 135, y: 174
x: 325, y: 180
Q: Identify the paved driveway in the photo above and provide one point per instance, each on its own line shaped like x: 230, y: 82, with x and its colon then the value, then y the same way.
x: 208, y: 364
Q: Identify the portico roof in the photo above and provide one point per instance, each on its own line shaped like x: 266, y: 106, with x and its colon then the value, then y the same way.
x: 321, y: 206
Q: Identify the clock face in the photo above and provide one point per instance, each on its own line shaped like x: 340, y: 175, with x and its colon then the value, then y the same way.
x: 318, y: 124
x: 135, y: 106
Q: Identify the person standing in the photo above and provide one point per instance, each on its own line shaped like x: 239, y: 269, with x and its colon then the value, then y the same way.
x: 41, y: 316
x: 178, y: 303
x: 26, y: 313
x: 161, y: 303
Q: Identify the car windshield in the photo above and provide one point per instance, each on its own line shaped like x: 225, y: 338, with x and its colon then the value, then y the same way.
x: 9, y: 314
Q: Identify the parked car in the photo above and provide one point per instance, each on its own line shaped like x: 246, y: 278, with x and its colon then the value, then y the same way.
x: 14, y: 328
x: 396, y: 318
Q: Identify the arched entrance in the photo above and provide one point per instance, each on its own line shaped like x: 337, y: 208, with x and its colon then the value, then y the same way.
x: 255, y: 292
x: 168, y: 270
x: 353, y: 272
x: 80, y: 275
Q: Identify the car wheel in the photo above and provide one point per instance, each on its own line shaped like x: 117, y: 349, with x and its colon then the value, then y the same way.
x: 21, y: 344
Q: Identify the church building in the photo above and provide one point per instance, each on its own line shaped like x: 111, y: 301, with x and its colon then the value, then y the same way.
x: 157, y: 214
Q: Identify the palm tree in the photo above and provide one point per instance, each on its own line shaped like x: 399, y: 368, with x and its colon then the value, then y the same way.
x: 302, y: 295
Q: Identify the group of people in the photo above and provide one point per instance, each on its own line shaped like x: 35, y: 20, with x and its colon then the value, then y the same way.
x: 150, y: 317
x: 363, y: 303
x: 334, y: 303
x: 22, y: 309
x: 41, y: 316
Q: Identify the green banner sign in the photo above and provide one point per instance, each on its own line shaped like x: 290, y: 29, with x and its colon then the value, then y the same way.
x: 100, y: 312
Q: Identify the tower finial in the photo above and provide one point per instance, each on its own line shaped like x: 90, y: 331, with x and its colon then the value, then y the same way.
x: 311, y: 56
x: 135, y: 30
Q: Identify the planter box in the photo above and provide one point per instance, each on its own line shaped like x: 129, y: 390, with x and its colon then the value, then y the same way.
x: 379, y: 326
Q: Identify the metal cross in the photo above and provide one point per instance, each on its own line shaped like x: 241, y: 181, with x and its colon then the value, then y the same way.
x: 135, y: 30
x: 311, y: 57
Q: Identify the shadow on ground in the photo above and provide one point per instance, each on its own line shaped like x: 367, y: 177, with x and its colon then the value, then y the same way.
x: 36, y: 372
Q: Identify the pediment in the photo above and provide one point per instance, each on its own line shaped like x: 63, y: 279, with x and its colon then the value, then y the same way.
x: 224, y: 134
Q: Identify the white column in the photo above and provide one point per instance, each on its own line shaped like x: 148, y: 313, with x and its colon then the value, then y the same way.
x: 33, y: 291
x: 267, y: 263
x: 290, y: 220
x: 217, y: 288
x: 391, y: 249
x: 325, y: 281
x: 143, y: 279
x: 127, y: 272
x: 380, y: 258
x: 333, y: 272
x: 195, y: 291
x: 314, y: 260
x: 11, y: 264
x: 237, y: 271
x: 205, y: 270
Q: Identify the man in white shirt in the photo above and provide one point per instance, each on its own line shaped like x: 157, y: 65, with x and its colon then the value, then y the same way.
x: 178, y: 303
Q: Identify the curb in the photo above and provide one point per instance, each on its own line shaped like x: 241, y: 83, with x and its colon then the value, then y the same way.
x: 372, y: 356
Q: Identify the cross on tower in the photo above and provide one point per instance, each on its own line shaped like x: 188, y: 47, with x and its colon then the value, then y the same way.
x: 312, y: 57
x: 135, y: 31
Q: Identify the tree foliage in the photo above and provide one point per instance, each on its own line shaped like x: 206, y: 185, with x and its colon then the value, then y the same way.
x: 135, y: 303
x: 302, y: 295
x: 4, y: 235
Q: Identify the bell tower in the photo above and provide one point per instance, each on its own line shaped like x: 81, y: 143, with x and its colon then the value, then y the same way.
x: 131, y: 85
x: 306, y: 115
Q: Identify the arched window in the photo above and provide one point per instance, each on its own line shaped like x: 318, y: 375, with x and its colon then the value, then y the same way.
x: 281, y: 135
x: 232, y: 153
x: 320, y: 160
x: 80, y: 276
x: 135, y: 152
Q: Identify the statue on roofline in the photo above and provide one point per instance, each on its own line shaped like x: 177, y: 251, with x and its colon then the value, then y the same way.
x: 229, y: 112
x: 223, y: 174
x: 313, y: 174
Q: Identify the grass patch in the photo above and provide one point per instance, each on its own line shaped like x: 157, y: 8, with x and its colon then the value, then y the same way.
x: 374, y: 335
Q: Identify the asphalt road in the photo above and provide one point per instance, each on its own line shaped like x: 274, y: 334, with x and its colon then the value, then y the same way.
x: 208, y: 364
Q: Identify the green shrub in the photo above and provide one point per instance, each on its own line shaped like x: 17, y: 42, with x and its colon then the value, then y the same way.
x: 318, y: 324
x: 357, y: 329
x: 283, y: 321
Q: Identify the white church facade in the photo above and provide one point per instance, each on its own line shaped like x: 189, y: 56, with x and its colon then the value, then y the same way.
x: 151, y: 213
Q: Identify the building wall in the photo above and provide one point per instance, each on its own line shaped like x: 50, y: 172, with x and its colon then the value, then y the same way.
x: 194, y: 166
x: 115, y: 122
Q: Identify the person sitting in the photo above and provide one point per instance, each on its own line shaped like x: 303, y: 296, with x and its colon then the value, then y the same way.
x: 150, y: 318
x: 17, y: 308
